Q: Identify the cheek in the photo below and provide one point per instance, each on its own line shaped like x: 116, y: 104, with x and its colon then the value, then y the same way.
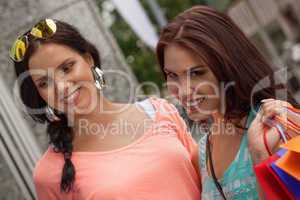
x: 49, y: 96
x: 173, y: 89
x: 212, y: 94
x: 82, y: 72
x: 88, y: 98
x: 206, y: 85
x: 209, y: 87
x: 206, y: 89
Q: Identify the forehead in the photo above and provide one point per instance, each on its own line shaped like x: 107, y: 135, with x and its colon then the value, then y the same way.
x: 179, y: 59
x: 50, y: 55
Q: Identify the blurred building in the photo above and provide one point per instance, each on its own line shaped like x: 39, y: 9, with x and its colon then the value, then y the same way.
x: 21, y: 140
x: 252, y: 15
x: 274, y: 26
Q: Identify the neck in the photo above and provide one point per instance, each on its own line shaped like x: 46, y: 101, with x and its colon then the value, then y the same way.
x: 104, y: 113
x: 225, y: 127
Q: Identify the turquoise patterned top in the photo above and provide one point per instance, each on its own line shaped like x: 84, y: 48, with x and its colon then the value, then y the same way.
x: 238, y: 181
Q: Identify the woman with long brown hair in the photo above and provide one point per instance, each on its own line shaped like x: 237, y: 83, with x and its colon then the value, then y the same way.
x: 216, y: 73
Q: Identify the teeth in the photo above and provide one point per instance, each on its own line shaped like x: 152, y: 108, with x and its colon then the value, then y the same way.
x: 195, y: 103
x: 191, y: 104
x: 71, y: 97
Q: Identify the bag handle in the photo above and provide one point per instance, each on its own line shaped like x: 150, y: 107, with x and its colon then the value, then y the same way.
x: 288, y: 124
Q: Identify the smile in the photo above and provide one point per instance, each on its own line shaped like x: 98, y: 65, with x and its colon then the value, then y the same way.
x: 195, y: 102
x: 72, y: 97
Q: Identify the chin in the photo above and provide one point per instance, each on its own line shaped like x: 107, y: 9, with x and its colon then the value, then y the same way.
x: 197, y: 116
x: 83, y: 106
x: 87, y: 101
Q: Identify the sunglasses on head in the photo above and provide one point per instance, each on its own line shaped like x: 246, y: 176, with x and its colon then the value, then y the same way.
x: 42, y: 30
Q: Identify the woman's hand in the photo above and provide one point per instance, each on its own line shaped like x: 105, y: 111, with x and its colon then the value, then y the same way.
x: 269, y: 109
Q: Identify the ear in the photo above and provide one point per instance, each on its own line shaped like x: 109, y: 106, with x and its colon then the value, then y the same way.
x: 89, y: 59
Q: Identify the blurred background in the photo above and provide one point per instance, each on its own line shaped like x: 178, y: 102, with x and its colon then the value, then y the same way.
x: 273, y: 25
x: 125, y: 32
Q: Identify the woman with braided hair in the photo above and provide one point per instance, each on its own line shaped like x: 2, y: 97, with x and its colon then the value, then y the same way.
x: 60, y: 83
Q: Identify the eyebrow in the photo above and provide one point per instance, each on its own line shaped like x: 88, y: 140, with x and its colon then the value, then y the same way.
x: 201, y: 67
x: 188, y: 70
x: 41, y: 78
x: 59, y: 66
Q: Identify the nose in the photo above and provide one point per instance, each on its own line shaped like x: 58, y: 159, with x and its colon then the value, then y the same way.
x: 185, y: 89
x: 62, y: 88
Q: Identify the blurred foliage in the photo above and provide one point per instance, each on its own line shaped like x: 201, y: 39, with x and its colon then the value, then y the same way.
x: 171, y: 8
x: 139, y: 57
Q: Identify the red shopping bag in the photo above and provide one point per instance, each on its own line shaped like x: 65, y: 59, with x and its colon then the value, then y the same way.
x: 269, y: 182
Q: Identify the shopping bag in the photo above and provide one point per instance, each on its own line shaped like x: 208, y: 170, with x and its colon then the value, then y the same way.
x: 290, y: 162
x: 279, y: 175
x: 292, y: 184
x: 272, y: 186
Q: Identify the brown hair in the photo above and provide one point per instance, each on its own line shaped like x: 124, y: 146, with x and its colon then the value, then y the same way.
x: 218, y: 41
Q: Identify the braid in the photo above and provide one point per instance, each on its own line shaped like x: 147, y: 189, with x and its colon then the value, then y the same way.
x: 61, y: 136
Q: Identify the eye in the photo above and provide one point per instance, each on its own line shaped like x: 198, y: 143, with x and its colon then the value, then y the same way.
x: 67, y: 68
x: 44, y: 83
x: 197, y: 73
x: 171, y: 75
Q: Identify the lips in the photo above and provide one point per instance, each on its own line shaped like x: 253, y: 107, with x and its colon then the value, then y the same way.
x: 72, y: 97
x: 194, y: 105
